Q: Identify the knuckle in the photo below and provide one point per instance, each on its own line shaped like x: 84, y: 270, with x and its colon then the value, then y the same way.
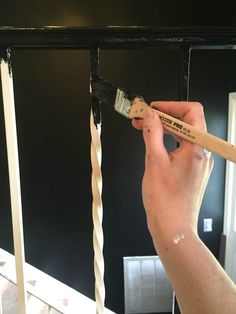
x: 198, y: 105
x: 151, y: 158
x: 199, y: 109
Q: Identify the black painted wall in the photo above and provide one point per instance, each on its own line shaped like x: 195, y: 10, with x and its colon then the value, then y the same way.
x: 53, y: 106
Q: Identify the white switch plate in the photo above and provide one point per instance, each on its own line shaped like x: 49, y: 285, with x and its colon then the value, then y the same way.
x: 207, y: 225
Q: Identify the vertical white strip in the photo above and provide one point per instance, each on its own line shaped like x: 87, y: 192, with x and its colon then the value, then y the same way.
x: 1, y: 302
x: 14, y: 178
x: 230, y: 194
x: 96, y: 156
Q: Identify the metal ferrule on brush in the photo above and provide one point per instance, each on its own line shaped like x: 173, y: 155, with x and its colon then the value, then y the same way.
x: 122, y: 103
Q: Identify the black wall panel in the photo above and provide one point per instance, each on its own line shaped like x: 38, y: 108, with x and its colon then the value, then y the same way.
x: 53, y: 106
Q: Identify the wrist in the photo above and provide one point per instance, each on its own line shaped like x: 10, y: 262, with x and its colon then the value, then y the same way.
x: 166, y: 232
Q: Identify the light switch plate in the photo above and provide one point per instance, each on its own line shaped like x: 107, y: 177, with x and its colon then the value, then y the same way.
x: 207, y: 225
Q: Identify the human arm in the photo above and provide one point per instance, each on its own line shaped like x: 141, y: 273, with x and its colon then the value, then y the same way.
x: 173, y: 187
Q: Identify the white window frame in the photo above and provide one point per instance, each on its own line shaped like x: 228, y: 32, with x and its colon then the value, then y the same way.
x: 230, y: 195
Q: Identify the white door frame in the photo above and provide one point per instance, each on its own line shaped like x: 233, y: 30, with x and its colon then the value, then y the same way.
x: 230, y: 196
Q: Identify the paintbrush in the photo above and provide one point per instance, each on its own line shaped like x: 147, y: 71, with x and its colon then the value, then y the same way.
x: 133, y: 106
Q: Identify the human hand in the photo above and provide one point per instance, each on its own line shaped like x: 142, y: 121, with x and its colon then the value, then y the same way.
x: 174, y: 182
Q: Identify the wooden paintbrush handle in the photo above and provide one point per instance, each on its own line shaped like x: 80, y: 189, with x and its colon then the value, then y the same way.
x: 186, y: 131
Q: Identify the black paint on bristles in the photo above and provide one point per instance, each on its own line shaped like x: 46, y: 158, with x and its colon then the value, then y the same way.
x: 103, y: 90
x: 106, y: 91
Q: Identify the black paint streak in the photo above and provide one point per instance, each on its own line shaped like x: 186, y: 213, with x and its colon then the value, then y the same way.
x: 5, y: 54
x: 185, y: 60
x: 96, y: 104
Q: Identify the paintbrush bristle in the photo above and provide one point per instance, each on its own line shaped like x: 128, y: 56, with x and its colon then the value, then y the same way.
x: 106, y: 91
x: 103, y: 90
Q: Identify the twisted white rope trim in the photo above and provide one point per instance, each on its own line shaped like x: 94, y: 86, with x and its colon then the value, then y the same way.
x: 97, y: 211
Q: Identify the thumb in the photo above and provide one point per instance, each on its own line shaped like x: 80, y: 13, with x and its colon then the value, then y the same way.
x: 153, y: 137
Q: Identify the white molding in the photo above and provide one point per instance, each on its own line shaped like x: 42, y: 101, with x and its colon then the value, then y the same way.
x: 43, y: 290
x: 14, y: 180
x: 230, y: 189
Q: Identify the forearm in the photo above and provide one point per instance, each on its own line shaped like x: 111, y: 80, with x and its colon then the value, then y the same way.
x: 200, y: 284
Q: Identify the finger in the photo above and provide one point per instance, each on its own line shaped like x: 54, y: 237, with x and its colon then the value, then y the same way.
x: 189, y: 112
x: 137, y: 123
x: 153, y: 137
